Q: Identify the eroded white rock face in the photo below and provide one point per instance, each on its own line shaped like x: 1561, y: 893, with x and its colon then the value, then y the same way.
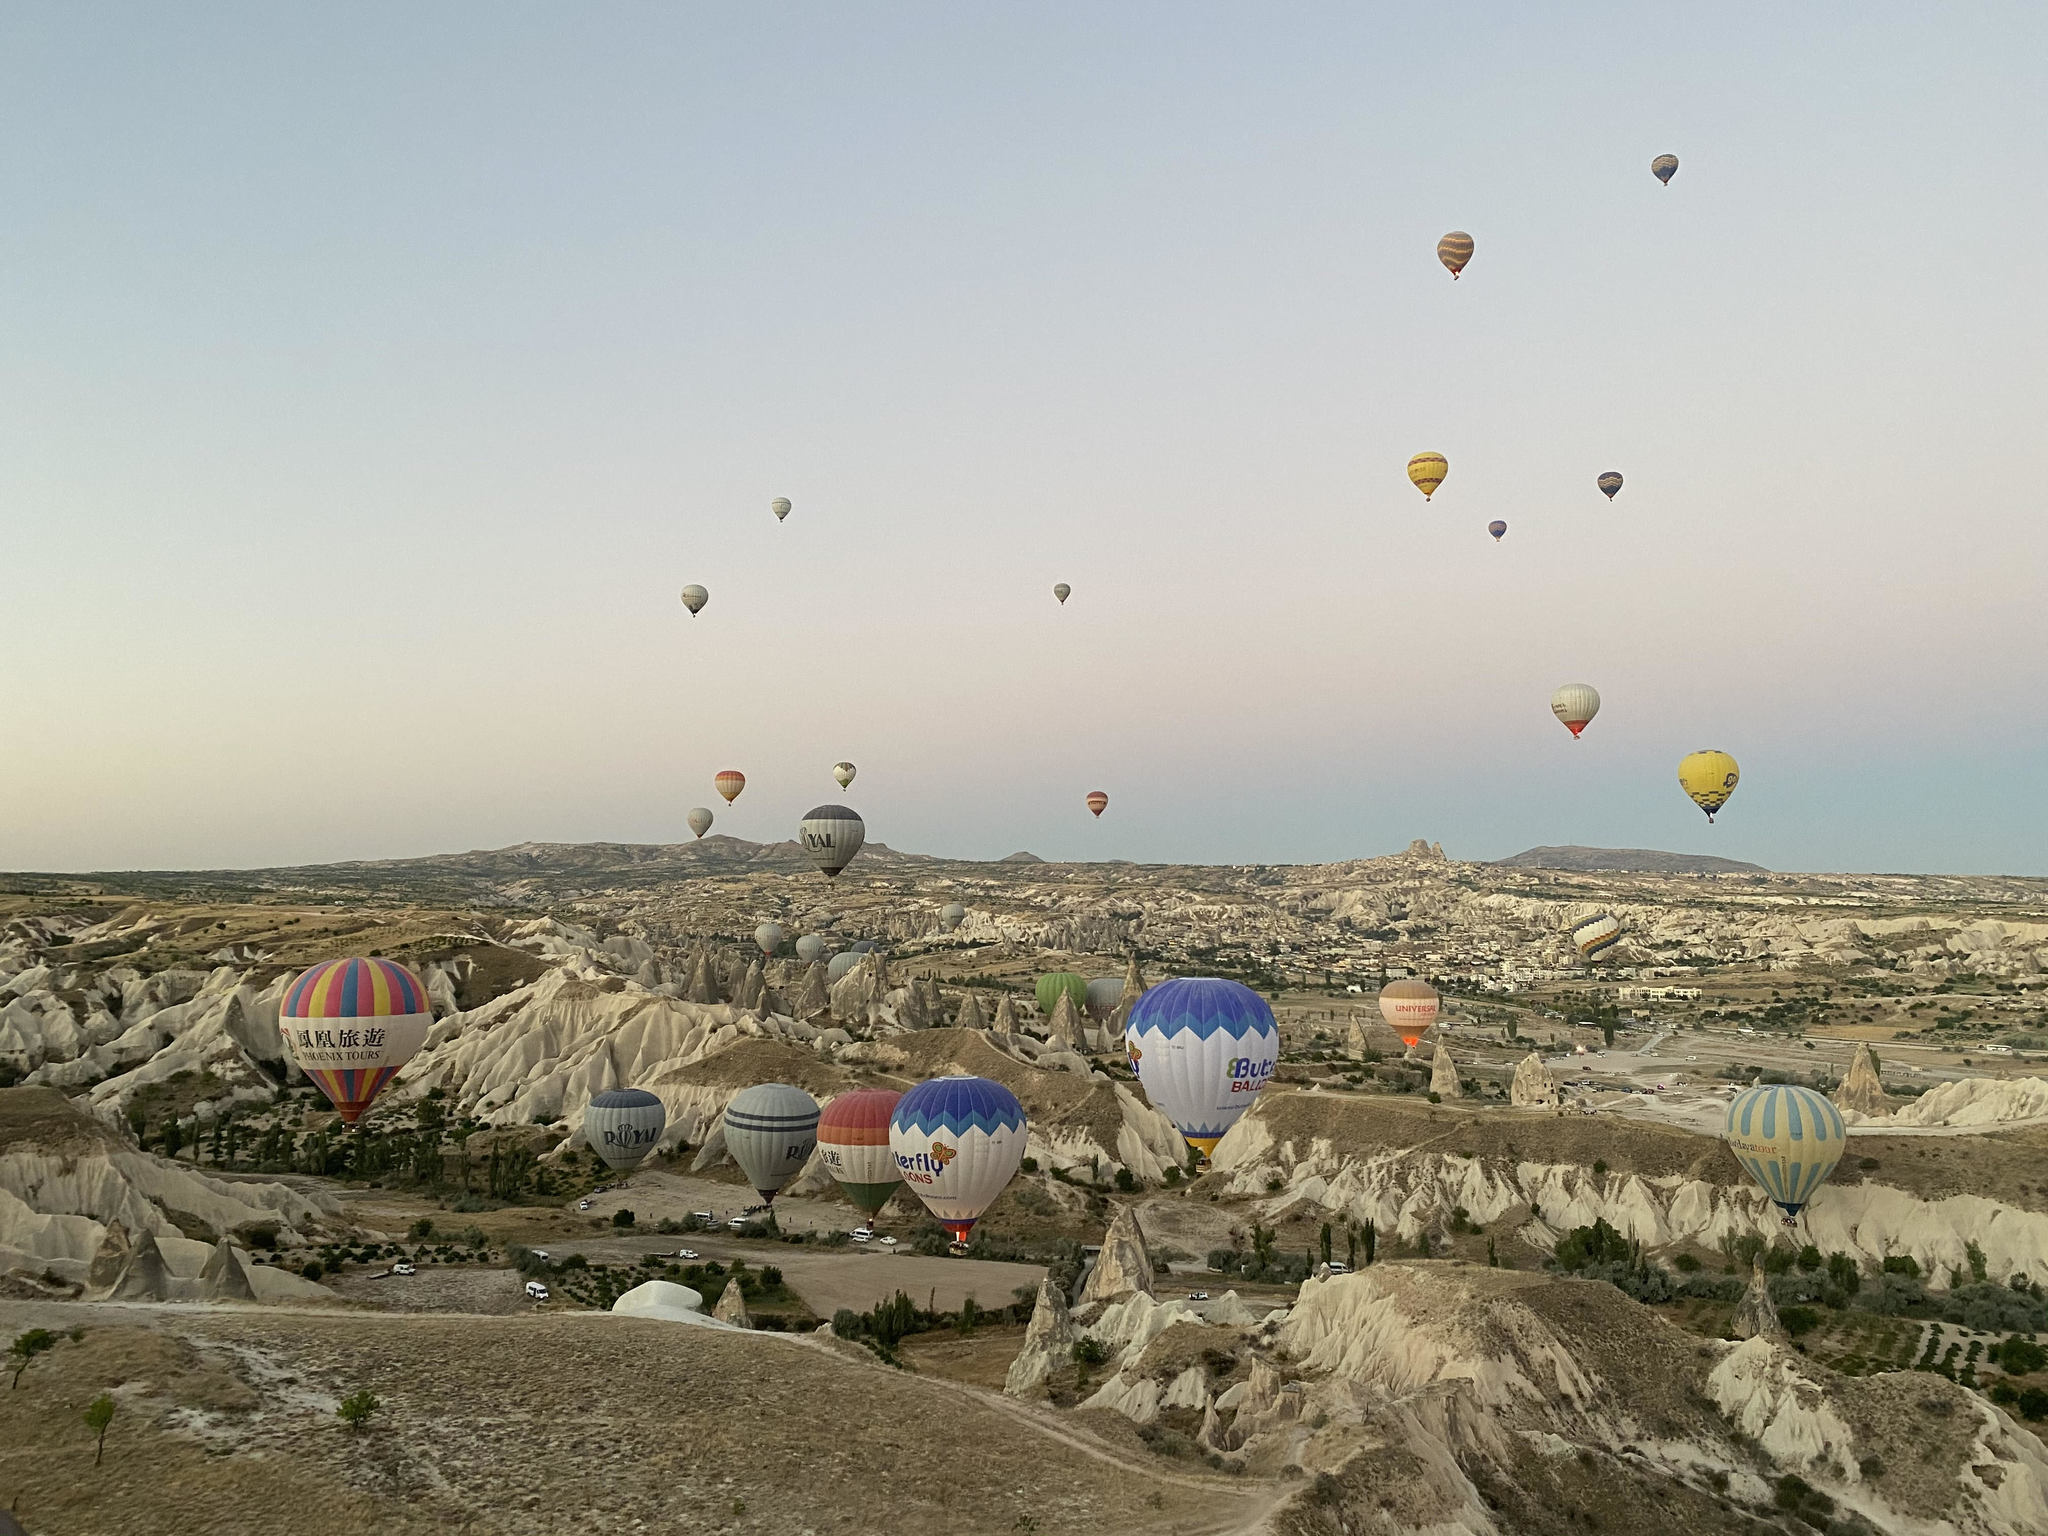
x: 1758, y: 1385
x: 1967, y: 1101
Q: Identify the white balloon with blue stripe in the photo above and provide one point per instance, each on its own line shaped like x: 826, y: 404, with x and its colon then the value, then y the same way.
x: 771, y: 1129
x: 958, y: 1141
x: 1788, y: 1138
x: 1202, y: 1048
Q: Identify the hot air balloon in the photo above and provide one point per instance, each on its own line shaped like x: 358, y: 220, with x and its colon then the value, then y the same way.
x: 1098, y: 802
x: 1610, y: 483
x: 769, y: 936
x: 957, y: 1142
x: 1428, y: 471
x: 1709, y: 778
x: 1596, y: 935
x: 351, y: 1024
x: 842, y: 962
x: 1454, y: 250
x: 1498, y: 529
x: 1789, y: 1139
x: 699, y: 819
x: 623, y: 1124
x: 832, y: 835
x: 1061, y: 591
x: 780, y: 507
x: 952, y: 915
x: 1664, y: 167
x: 1202, y: 1049
x: 1051, y: 985
x: 1103, y: 994
x: 729, y: 783
x: 810, y: 949
x: 853, y: 1144
x: 1575, y: 704
x: 694, y: 599
x: 844, y: 773
x: 1410, y: 1006
x: 771, y: 1130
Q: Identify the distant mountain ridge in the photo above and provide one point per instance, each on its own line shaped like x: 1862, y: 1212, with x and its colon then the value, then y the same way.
x: 1627, y: 861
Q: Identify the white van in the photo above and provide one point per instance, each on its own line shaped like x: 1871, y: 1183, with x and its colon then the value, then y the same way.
x: 862, y: 1234
x: 535, y: 1291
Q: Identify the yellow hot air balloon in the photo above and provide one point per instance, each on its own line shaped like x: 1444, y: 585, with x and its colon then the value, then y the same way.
x: 1709, y: 778
x: 1428, y: 470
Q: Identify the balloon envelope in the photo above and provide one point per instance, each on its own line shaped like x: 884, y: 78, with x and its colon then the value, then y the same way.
x: 952, y: 915
x: 699, y: 819
x: 351, y: 1024
x: 1498, y: 529
x: 623, y: 1124
x: 957, y: 1142
x: 694, y: 599
x: 771, y: 1130
x: 1708, y: 779
x: 1454, y: 250
x: 1410, y: 1006
x: 780, y: 507
x: 1664, y: 167
x: 810, y: 949
x: 1052, y: 984
x: 841, y: 964
x: 1575, y: 704
x: 853, y: 1144
x: 1610, y: 483
x: 769, y: 936
x: 1788, y: 1138
x: 1596, y: 935
x: 1104, y: 993
x: 1061, y: 590
x: 1428, y: 471
x: 844, y: 773
x: 831, y: 835
x: 1098, y: 802
x: 729, y: 783
x: 1203, y: 1048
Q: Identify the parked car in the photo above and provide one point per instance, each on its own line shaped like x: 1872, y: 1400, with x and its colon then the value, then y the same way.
x: 686, y: 1253
x: 886, y: 1242
x: 535, y: 1291
x: 1339, y: 1269
x: 543, y: 1255
x: 582, y: 1205
x: 736, y: 1223
x: 403, y: 1268
x: 1198, y: 1295
x: 706, y: 1217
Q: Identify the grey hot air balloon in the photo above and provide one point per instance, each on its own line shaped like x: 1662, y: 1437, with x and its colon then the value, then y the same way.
x: 842, y: 962
x: 861, y: 946
x: 1664, y: 167
x: 1104, y: 993
x: 699, y: 820
x: 769, y: 936
x: 780, y: 507
x: 810, y: 949
x: 694, y: 599
x: 1062, y: 591
x: 831, y: 835
x: 952, y: 915
x: 1610, y: 482
x: 771, y: 1130
x: 623, y: 1124
x: 844, y: 773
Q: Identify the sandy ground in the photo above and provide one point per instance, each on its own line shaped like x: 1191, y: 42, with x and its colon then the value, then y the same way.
x: 537, y: 1425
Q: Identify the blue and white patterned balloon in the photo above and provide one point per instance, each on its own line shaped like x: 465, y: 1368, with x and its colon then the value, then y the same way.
x: 957, y: 1142
x: 1203, y: 1048
x: 1788, y: 1138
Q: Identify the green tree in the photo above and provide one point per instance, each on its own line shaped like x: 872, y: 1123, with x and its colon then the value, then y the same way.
x: 1372, y: 1242
x: 356, y: 1408
x: 26, y: 1347
x: 174, y: 1137
x: 99, y: 1414
x: 1326, y: 1242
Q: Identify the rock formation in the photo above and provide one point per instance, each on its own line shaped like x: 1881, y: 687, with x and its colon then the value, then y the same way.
x: 752, y: 985
x: 732, y: 1306
x: 1863, y: 1090
x: 702, y: 988
x: 1048, y: 1343
x: 224, y: 1278
x: 914, y: 1012
x: 969, y: 1016
x: 1123, y: 1268
x: 1064, y: 1028
x: 1533, y: 1083
x: 1134, y: 988
x: 145, y: 1277
x: 1005, y: 1021
x: 811, y: 996
x: 1443, y: 1075
x: 1756, y: 1317
x: 1361, y: 1044
x: 112, y: 1257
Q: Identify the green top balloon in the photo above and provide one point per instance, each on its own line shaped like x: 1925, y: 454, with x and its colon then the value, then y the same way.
x: 1051, y: 986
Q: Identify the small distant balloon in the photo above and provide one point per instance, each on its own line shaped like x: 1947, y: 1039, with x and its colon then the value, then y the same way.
x: 952, y: 915
x: 1454, y: 250
x: 1428, y: 471
x: 1596, y: 935
x: 844, y: 773
x: 831, y: 835
x: 1575, y: 704
x: 1610, y: 483
x: 699, y: 819
x: 810, y: 949
x: 1098, y: 802
x: 1708, y: 779
x: 769, y: 936
x: 1498, y: 529
x: 1062, y: 591
x: 694, y: 599
x: 1410, y: 1006
x: 1664, y: 167
x: 729, y: 783
x: 780, y: 507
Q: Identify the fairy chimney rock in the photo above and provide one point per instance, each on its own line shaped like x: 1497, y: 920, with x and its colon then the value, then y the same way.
x: 1533, y: 1084
x: 1123, y: 1268
x: 1756, y: 1317
x: 1066, y: 1024
x: 1048, y: 1343
x: 1005, y: 1021
x: 969, y: 1016
x: 1443, y: 1075
x: 1863, y: 1089
x: 732, y: 1306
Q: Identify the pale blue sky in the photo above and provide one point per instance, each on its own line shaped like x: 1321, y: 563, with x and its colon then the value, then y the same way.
x: 371, y: 381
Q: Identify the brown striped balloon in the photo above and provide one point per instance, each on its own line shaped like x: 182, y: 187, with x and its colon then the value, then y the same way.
x: 1454, y: 250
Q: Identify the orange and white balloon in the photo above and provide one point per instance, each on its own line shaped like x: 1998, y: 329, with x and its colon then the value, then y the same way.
x: 1575, y: 704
